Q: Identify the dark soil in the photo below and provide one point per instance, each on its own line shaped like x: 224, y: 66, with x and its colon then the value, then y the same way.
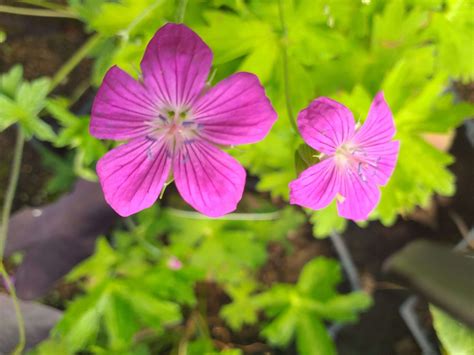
x: 43, y: 45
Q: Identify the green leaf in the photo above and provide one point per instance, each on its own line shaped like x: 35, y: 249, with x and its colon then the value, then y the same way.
x: 243, y: 309
x: 10, y: 81
x: 152, y: 311
x: 457, y: 339
x: 281, y: 330
x: 58, y: 109
x: 319, y: 278
x: 346, y: 307
x: 97, y: 267
x: 119, y: 322
x: 31, y: 96
x: 34, y: 126
x: 232, y: 37
x: 326, y: 221
x: 9, y: 112
x: 312, y: 337
x: 81, y: 323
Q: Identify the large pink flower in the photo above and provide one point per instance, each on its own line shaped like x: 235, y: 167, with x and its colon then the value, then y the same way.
x: 354, y: 163
x: 173, y: 123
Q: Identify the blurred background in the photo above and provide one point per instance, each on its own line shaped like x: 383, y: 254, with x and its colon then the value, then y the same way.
x: 270, y: 278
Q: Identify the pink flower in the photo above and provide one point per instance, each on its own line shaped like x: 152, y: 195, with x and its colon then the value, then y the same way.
x: 355, y: 161
x: 174, y: 263
x: 173, y: 124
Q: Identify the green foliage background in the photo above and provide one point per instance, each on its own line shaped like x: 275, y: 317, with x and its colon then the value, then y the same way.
x: 133, y: 303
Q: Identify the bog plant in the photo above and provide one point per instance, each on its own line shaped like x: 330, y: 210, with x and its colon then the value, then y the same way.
x: 139, y: 287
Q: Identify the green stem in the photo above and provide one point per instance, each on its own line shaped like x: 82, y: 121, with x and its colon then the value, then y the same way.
x: 47, y: 5
x: 180, y: 11
x: 16, y: 305
x: 68, y: 67
x: 7, y: 206
x: 34, y: 12
x: 10, y: 194
x: 13, y: 182
x: 268, y: 216
x: 286, y: 78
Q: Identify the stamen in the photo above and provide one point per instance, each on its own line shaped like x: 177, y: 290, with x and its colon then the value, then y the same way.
x: 149, y: 154
x: 187, y: 123
x: 360, y: 173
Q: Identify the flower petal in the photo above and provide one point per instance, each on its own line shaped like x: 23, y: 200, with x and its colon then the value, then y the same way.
x: 208, y: 179
x: 379, y: 127
x: 176, y: 65
x: 326, y: 124
x: 133, y: 175
x: 359, y: 195
x: 121, y: 107
x: 235, y: 111
x: 317, y: 186
x: 385, y: 157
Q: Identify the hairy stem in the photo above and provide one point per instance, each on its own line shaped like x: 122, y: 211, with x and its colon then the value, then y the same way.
x: 180, y: 11
x: 35, y: 12
x: 286, y: 78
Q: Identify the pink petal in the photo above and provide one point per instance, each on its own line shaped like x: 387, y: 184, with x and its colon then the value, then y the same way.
x: 359, y: 195
x: 121, y: 107
x: 379, y: 127
x: 133, y: 175
x: 326, y: 124
x: 176, y: 65
x: 208, y: 179
x: 235, y: 111
x: 317, y: 186
x: 385, y: 157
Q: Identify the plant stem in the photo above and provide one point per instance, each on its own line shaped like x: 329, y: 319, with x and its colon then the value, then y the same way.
x: 77, y: 57
x: 10, y: 194
x: 47, y: 5
x: 62, y: 73
x: 263, y: 216
x: 286, y: 79
x: 16, y: 305
x: 35, y: 12
x: 180, y: 11
x: 7, y: 206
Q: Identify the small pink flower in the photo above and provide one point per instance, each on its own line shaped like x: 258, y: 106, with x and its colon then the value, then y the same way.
x: 355, y: 161
x: 174, y: 263
x: 173, y: 124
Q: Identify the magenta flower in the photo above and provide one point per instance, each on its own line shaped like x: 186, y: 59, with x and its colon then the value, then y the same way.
x: 174, y: 263
x: 173, y: 124
x: 355, y: 161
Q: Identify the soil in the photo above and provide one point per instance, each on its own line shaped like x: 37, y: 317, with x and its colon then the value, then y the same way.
x: 42, y: 45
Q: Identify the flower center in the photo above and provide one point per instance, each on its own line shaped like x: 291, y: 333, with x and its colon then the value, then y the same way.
x: 176, y: 126
x: 356, y: 159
